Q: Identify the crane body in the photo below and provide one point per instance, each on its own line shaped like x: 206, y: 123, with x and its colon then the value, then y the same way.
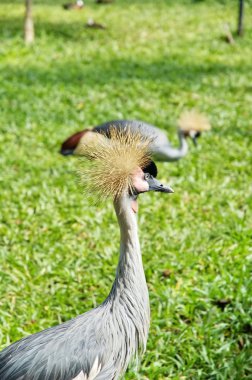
x: 99, y: 344
x: 160, y: 146
x: 104, y: 338
x: 190, y: 124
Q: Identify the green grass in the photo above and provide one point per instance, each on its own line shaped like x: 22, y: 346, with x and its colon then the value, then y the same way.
x: 58, y: 253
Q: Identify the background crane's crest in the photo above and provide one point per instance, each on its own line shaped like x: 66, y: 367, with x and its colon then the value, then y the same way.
x: 107, y: 165
x: 193, y: 121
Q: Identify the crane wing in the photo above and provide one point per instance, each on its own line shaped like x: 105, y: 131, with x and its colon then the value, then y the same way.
x: 64, y: 352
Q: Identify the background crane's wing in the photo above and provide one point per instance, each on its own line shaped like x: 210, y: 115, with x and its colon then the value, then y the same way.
x: 148, y: 130
x: 70, y: 145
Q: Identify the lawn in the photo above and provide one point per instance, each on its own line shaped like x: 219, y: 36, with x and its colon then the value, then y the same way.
x: 58, y: 253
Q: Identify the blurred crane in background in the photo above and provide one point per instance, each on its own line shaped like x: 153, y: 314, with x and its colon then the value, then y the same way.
x: 190, y: 125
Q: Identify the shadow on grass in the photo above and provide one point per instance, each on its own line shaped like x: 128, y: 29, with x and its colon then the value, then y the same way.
x: 12, y: 27
x: 169, y: 69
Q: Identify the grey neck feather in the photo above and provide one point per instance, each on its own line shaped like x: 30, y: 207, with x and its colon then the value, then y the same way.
x: 183, y: 148
x: 168, y: 153
x: 130, y: 290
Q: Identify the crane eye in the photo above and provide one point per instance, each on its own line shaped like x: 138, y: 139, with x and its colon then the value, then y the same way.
x: 147, y: 176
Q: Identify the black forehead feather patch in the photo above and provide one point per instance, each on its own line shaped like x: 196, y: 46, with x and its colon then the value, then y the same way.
x: 151, y: 168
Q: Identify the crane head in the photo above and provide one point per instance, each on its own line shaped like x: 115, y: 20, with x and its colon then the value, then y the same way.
x: 145, y: 180
x: 150, y: 173
x: 119, y: 165
x: 192, y: 124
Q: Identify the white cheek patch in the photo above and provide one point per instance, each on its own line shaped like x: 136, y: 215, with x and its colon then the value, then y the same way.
x: 192, y: 134
x: 140, y: 184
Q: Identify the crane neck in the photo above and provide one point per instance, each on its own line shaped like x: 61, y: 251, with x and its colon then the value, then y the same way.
x: 130, y: 265
x: 130, y: 253
x: 167, y: 153
x: 129, y: 290
x: 183, y: 146
x: 128, y: 225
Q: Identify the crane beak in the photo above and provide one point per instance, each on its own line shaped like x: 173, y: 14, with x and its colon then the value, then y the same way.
x: 155, y: 185
x: 194, y: 140
x: 194, y: 137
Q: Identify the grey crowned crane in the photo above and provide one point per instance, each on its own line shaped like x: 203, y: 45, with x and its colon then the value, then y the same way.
x: 99, y: 344
x: 79, y: 4
x: 104, y: 1
x: 190, y: 125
